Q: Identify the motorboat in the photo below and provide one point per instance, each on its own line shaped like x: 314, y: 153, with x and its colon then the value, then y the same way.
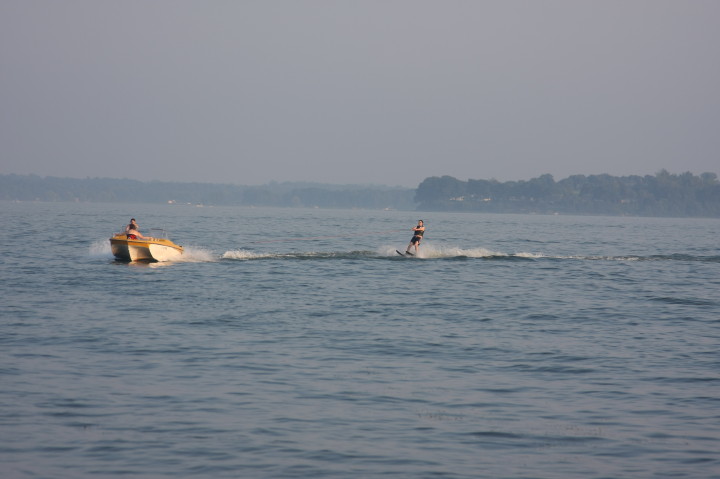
x: 157, y: 247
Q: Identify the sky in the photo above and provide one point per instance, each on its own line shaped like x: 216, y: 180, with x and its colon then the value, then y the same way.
x: 385, y: 92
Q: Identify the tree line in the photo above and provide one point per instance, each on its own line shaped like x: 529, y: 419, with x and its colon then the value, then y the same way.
x: 37, y: 188
x: 663, y: 194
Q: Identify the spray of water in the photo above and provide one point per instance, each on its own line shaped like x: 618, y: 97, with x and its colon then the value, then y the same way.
x: 193, y: 254
x: 100, y: 249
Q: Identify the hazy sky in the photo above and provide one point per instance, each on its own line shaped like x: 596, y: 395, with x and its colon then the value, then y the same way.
x: 358, y: 91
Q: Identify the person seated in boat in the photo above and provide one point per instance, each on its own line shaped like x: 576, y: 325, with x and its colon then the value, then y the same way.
x: 131, y: 225
x: 132, y: 230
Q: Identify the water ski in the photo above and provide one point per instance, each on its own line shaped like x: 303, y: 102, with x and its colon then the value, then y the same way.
x: 407, y: 253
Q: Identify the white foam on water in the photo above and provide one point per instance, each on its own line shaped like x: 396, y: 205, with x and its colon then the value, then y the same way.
x: 100, y: 249
x: 241, y: 254
x: 387, y: 250
x: 531, y: 255
x: 193, y: 254
x: 428, y: 250
x: 432, y: 251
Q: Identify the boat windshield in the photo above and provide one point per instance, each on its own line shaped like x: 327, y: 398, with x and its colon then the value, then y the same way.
x: 158, y: 233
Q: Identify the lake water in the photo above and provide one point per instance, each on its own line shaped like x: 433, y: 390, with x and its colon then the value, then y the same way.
x: 295, y: 343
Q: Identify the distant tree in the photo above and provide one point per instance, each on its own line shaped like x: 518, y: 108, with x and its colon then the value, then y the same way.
x: 441, y: 190
x: 663, y: 194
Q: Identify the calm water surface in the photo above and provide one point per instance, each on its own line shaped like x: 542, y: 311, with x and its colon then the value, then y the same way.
x: 297, y: 343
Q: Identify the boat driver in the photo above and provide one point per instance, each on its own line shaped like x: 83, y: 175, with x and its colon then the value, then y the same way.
x: 132, y: 230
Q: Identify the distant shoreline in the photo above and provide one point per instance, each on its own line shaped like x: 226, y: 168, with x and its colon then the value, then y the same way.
x: 300, y: 194
x: 661, y: 195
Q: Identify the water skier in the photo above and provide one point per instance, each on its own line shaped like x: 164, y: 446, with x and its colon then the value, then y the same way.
x: 419, y: 231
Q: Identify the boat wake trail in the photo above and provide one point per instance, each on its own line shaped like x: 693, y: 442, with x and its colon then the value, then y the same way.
x: 101, y: 249
x: 244, y: 255
x: 196, y: 255
x: 383, y: 252
x: 432, y: 251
